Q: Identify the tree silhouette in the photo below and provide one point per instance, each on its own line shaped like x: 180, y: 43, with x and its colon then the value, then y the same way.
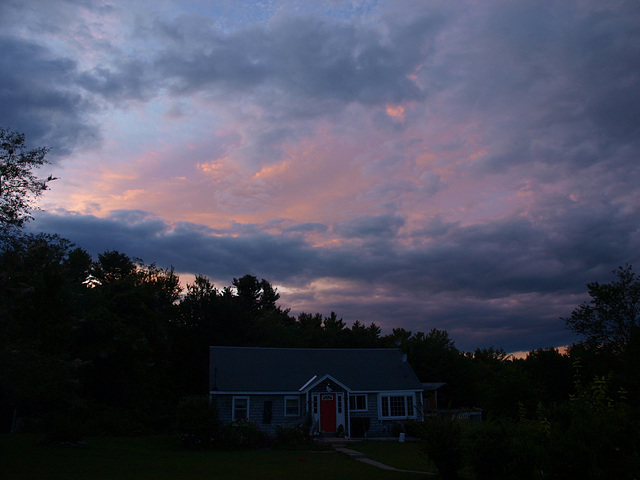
x: 19, y: 185
x: 611, y: 320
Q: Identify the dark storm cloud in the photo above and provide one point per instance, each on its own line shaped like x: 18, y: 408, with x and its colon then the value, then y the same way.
x: 553, y: 82
x: 379, y: 226
x: 188, y: 247
x: 517, y: 324
x: 119, y: 83
x: 308, y: 58
x: 504, y: 283
x: 307, y: 227
x: 520, y: 255
x: 38, y: 100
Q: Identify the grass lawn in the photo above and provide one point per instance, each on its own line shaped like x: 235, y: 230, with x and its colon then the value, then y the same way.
x: 27, y: 457
x: 407, y: 456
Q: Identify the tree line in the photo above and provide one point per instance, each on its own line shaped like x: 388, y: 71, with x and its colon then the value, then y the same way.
x: 118, y: 336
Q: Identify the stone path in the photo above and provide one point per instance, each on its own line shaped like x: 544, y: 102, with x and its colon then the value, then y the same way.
x: 361, y: 457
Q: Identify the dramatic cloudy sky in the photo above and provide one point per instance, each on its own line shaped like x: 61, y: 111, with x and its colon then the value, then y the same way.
x: 465, y: 165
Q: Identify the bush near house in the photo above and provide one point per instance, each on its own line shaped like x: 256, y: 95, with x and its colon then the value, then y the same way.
x: 295, y: 437
x: 442, y: 439
x: 197, y: 423
x: 360, y: 426
x: 505, y: 450
x: 593, y: 436
x: 243, y: 434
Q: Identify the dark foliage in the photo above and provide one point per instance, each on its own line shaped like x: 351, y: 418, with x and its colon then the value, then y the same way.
x: 242, y: 434
x: 442, y: 437
x: 19, y: 185
x: 505, y: 450
x: 610, y: 327
x: 294, y: 437
x: 197, y: 422
x: 611, y: 319
x: 66, y: 427
x: 593, y: 436
x: 360, y: 426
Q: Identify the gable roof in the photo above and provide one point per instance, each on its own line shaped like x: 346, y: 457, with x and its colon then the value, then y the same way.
x: 254, y: 369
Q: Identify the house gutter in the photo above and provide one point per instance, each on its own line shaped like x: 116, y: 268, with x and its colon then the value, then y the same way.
x: 346, y: 406
x: 306, y: 400
x: 308, y: 382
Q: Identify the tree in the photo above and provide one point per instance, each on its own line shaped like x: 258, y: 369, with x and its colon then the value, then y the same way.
x: 41, y: 291
x: 124, y: 343
x: 610, y: 325
x: 435, y: 358
x: 197, y: 421
x: 362, y: 336
x: 432, y: 355
x: 19, y: 186
x: 611, y: 319
x: 551, y: 373
x: 256, y: 295
x: 502, y: 384
x: 41, y: 286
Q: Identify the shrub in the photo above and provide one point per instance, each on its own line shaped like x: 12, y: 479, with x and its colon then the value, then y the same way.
x: 197, y: 423
x: 66, y: 427
x: 505, y: 450
x: 360, y: 426
x: 292, y: 436
x: 104, y: 419
x: 413, y: 428
x: 587, y: 443
x: 528, y: 448
x: 487, y: 450
x: 442, y: 436
x: 242, y: 434
x: 397, y: 428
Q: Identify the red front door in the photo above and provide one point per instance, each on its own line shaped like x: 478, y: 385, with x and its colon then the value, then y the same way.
x: 328, y: 412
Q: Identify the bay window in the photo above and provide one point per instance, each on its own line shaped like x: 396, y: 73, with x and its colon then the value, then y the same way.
x: 397, y: 406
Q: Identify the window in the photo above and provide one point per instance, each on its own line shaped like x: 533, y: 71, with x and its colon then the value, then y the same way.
x: 339, y: 403
x: 315, y: 404
x: 358, y: 402
x: 267, y: 411
x: 396, y: 406
x: 292, y: 406
x: 240, y: 408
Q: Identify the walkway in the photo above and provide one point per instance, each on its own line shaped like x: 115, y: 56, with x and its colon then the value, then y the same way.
x: 339, y: 446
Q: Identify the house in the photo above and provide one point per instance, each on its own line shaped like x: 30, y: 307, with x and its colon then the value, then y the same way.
x: 431, y: 395
x: 358, y: 391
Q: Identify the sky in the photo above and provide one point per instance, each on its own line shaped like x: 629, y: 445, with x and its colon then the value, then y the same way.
x: 468, y: 166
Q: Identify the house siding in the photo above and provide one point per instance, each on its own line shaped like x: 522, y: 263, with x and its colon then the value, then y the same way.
x: 257, y: 408
x: 371, y: 414
x: 378, y: 427
x: 224, y: 405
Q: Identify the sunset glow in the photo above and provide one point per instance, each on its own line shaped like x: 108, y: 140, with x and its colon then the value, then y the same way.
x: 467, y: 166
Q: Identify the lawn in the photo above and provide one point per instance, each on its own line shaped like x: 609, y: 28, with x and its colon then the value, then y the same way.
x: 159, y: 458
x: 407, y: 455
